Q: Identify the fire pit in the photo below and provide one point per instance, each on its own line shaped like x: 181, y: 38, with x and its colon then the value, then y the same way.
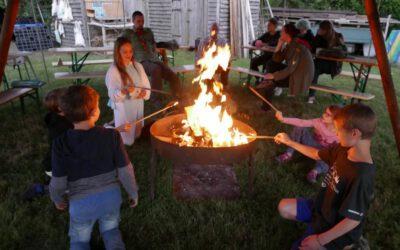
x: 206, y: 135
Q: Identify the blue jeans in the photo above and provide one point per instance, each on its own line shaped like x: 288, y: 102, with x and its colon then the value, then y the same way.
x: 305, y: 137
x: 303, y: 214
x: 103, y: 207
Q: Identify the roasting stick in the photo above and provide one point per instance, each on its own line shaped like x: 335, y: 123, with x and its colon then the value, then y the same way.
x: 261, y: 137
x: 154, y: 90
x: 261, y: 97
x: 155, y: 113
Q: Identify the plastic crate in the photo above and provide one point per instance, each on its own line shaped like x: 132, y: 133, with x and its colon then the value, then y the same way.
x: 32, y: 37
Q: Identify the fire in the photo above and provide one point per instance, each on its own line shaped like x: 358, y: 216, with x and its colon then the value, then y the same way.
x: 207, y: 118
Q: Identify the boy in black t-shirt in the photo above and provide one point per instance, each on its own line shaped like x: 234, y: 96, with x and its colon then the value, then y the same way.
x: 336, y: 216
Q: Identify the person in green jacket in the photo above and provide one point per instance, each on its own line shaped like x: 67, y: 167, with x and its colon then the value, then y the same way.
x: 296, y: 73
x: 144, y: 49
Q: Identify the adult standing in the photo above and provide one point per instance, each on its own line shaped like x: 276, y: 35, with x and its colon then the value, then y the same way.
x: 145, y: 52
x: 206, y: 43
x: 122, y: 79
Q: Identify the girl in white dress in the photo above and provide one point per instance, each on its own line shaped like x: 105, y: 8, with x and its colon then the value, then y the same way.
x: 127, y: 101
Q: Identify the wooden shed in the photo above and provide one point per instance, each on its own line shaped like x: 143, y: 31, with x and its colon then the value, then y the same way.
x: 182, y: 20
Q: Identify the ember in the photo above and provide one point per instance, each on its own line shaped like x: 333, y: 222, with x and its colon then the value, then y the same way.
x: 207, y: 122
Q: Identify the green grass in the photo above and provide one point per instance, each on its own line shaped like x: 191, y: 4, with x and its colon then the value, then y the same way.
x: 165, y: 223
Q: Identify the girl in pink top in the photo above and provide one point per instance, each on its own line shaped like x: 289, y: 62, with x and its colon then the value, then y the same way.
x: 322, y: 136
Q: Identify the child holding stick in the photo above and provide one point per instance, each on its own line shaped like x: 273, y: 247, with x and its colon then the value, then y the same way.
x: 90, y: 161
x: 336, y: 216
x: 322, y: 136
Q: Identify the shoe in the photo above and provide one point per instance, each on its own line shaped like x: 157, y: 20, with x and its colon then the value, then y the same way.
x: 312, y: 176
x: 278, y: 91
x: 283, y: 158
x: 311, y: 100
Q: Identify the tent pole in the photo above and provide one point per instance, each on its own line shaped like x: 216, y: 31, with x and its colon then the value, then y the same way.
x: 384, y: 67
x: 7, y: 31
x: 40, y: 43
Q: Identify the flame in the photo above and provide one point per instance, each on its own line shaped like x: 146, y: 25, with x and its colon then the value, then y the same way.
x: 207, y: 118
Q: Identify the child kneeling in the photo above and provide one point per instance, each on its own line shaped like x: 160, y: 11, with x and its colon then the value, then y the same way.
x: 90, y: 161
x: 336, y: 216
x: 322, y: 136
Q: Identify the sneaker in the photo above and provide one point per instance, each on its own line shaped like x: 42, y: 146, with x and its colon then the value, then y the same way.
x: 311, y: 100
x: 278, y: 91
x: 283, y: 158
x: 312, y: 176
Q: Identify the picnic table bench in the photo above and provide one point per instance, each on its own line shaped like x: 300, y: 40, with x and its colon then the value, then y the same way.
x: 9, y: 95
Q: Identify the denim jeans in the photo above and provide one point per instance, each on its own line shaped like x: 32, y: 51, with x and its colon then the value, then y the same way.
x: 305, y: 137
x: 103, y: 207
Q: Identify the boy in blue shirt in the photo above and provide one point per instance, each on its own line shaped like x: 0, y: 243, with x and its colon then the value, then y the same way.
x: 90, y: 161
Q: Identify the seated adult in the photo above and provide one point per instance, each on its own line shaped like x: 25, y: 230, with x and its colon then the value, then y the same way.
x: 144, y: 48
x: 269, y: 38
x: 298, y: 71
x: 206, y: 43
x: 326, y: 38
x: 306, y: 36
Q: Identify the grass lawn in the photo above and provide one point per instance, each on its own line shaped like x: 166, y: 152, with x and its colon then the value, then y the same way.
x: 165, y: 223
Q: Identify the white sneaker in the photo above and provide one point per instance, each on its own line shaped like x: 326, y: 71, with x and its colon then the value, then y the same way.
x: 278, y: 91
x: 311, y: 100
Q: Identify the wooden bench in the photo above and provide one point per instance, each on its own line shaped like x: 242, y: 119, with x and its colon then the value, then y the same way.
x: 79, y: 75
x: 183, y: 68
x: 345, y: 94
x: 61, y: 63
x: 14, y: 93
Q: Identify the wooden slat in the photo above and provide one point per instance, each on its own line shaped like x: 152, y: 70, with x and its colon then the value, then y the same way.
x: 11, y: 94
x: 79, y: 75
x: 87, y: 62
x: 356, y: 95
x: 183, y: 68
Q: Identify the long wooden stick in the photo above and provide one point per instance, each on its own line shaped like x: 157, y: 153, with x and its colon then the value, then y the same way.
x: 154, y: 90
x: 155, y: 113
x: 263, y: 98
x: 261, y: 137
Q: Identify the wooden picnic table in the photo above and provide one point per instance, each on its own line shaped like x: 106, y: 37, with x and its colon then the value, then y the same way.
x: 78, y: 62
x: 360, y: 67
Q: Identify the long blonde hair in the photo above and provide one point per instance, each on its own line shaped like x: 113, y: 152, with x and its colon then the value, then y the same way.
x: 121, y: 41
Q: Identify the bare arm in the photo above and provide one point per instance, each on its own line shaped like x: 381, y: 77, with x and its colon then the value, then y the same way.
x: 305, y: 150
x: 343, y: 227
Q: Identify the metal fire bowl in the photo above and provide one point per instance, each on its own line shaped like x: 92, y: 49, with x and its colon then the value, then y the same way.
x: 161, y: 137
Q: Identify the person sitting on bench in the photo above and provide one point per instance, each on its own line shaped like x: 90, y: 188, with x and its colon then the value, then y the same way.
x: 144, y: 47
x: 298, y: 71
x: 206, y: 43
x: 269, y: 38
x: 306, y: 36
x: 326, y: 38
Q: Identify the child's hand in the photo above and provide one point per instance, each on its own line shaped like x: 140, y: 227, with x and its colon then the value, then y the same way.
x: 130, y: 89
x: 124, y: 127
x: 269, y: 76
x: 259, y: 44
x: 142, y: 94
x: 282, y: 138
x: 279, y: 116
x: 311, y: 243
x: 133, y: 202
x: 62, y: 206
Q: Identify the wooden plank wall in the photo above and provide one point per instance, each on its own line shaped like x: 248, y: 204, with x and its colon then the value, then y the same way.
x: 79, y: 14
x: 160, y: 19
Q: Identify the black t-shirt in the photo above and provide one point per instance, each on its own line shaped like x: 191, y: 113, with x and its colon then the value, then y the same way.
x: 347, y: 191
x: 270, y: 40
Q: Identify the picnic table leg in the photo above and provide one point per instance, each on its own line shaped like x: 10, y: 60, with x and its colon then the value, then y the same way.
x: 361, y: 78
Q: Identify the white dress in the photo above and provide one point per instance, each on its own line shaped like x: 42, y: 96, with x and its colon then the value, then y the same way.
x: 127, y: 108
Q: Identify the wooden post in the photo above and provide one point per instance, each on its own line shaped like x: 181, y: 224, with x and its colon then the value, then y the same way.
x: 7, y: 31
x: 384, y: 67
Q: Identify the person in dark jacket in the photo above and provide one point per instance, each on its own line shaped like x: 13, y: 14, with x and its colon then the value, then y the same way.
x: 306, y: 35
x: 270, y: 38
x: 55, y: 121
x: 298, y: 71
x: 326, y: 38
